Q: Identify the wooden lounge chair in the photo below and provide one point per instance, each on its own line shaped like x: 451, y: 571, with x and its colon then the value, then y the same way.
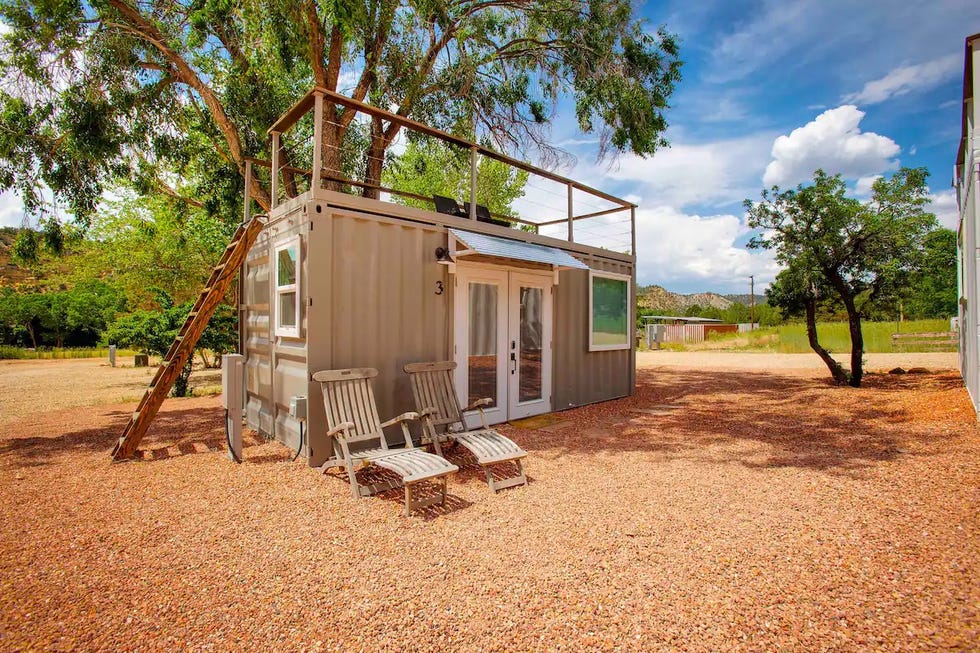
x: 442, y: 419
x: 352, y: 420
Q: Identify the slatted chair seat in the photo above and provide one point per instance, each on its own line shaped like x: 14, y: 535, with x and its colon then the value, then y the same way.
x: 352, y: 419
x: 490, y: 446
x: 442, y: 420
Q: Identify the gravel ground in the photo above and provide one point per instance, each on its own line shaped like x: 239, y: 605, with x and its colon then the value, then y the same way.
x: 712, y: 511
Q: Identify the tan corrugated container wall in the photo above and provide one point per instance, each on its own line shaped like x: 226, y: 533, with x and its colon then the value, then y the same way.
x: 376, y: 303
x: 582, y: 376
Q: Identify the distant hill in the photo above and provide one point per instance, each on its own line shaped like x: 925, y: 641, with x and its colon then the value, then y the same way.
x: 656, y: 298
x: 11, y: 275
x: 746, y: 299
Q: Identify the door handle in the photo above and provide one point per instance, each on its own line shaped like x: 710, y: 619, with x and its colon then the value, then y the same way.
x: 513, y: 362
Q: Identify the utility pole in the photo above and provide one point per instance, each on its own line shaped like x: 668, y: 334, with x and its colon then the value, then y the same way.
x: 751, y: 302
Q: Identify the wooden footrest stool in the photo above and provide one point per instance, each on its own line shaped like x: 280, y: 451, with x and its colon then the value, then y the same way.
x: 415, y: 466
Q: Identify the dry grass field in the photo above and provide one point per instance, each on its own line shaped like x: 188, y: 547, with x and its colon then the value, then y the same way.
x: 718, y: 509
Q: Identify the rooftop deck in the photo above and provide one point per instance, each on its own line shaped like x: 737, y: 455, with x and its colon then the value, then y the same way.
x: 328, y: 137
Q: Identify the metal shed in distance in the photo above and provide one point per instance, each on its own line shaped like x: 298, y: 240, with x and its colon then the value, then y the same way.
x: 536, y: 318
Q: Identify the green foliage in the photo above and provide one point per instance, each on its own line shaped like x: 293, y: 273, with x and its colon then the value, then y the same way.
x: 173, y: 96
x: 429, y: 167
x: 26, y: 248
x: 153, y: 331
x: 220, y: 337
x: 837, y: 248
x: 74, y: 316
x: 933, y: 291
x: 147, y: 246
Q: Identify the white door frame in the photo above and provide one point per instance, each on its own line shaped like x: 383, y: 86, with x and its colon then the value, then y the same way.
x: 465, y: 276
x: 508, y: 282
x: 517, y: 409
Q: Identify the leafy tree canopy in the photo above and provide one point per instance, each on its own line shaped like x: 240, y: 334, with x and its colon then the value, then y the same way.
x: 430, y: 167
x: 863, y: 253
x: 173, y: 96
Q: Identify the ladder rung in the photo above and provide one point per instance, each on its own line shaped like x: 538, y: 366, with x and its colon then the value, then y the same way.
x: 233, y: 244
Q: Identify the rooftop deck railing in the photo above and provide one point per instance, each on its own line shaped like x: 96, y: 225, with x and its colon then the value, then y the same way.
x: 550, y: 204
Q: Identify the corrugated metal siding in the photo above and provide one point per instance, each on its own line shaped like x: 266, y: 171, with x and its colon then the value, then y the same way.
x: 275, y: 367
x: 376, y: 303
x: 580, y: 376
x: 258, y: 347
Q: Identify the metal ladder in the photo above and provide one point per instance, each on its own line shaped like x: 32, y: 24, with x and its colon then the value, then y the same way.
x: 183, y: 346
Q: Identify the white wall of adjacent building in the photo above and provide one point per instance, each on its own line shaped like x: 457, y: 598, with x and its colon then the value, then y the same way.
x: 967, y: 181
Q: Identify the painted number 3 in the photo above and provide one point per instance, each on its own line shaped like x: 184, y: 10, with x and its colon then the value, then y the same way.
x: 439, y: 288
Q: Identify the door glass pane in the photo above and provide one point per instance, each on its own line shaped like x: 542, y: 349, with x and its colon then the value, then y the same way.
x: 532, y: 337
x: 483, y: 342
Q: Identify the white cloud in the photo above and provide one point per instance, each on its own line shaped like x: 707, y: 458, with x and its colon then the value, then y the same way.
x: 862, y: 187
x: 11, y: 210
x: 695, y: 252
x: 832, y: 141
x: 945, y: 208
x: 715, y: 174
x: 907, y: 79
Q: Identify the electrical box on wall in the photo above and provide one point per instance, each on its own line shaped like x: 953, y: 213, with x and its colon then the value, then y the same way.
x: 297, y: 407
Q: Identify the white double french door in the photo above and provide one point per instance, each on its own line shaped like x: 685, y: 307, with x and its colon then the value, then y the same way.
x: 503, y: 341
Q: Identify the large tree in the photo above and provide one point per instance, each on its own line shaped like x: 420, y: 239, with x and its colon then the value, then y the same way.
x: 862, y: 252
x: 176, y: 95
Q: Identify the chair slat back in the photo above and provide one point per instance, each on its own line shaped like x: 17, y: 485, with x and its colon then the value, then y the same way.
x: 433, y: 387
x: 349, y: 397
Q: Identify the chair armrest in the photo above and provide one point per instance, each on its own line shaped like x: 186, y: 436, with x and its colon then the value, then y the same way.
x: 404, y: 417
x: 479, y: 403
x: 343, y: 426
x: 427, y: 412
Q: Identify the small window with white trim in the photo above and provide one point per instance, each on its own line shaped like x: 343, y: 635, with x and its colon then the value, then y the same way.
x: 609, y: 311
x: 287, y: 289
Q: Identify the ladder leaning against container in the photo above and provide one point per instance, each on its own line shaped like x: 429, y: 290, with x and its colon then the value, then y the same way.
x: 183, y: 346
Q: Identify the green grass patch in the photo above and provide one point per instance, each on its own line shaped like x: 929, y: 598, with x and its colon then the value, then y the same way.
x: 834, y: 336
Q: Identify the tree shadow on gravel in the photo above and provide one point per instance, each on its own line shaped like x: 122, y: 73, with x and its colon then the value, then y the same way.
x: 173, y: 433
x: 757, y: 419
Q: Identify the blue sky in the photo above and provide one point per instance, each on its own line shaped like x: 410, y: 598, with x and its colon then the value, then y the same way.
x: 772, y: 90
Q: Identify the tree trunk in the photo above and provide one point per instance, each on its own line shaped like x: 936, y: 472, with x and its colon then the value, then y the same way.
x: 30, y: 332
x: 375, y: 160
x: 333, y: 136
x: 839, y: 373
x: 857, y: 342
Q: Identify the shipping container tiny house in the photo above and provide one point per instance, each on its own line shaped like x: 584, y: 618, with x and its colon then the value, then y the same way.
x: 538, y: 314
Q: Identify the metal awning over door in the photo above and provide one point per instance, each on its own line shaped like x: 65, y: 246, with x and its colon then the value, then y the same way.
x: 470, y: 243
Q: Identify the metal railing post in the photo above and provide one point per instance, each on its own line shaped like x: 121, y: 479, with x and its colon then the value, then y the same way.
x: 317, y: 170
x: 633, y: 231
x: 473, y: 155
x: 571, y: 214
